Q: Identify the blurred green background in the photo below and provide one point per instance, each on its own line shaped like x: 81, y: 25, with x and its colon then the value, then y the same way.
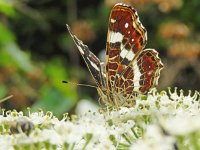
x: 37, y: 53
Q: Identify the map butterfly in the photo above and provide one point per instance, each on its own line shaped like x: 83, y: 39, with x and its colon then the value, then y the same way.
x: 129, y: 69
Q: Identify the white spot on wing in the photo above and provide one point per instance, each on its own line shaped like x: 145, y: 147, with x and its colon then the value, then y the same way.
x: 115, y: 37
x: 94, y: 65
x: 78, y: 43
x: 123, y: 53
x: 80, y: 49
x: 137, y: 75
x: 126, y: 25
x: 134, y: 25
x: 112, y: 20
x: 145, y: 36
x: 130, y: 55
x: 136, y: 14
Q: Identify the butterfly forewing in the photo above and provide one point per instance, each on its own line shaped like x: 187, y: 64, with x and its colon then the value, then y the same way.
x: 91, y: 60
x: 125, y: 40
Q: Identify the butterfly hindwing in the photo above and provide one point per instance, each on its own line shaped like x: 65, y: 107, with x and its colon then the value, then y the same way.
x: 142, y: 74
x: 149, y: 67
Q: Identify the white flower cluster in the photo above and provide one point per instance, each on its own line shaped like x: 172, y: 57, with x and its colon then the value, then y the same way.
x: 159, y: 121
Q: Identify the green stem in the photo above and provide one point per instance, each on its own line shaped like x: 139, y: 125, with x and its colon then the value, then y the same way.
x: 88, y: 137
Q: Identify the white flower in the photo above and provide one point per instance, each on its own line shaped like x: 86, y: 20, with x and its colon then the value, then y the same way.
x: 181, y: 124
x: 154, y: 123
x: 103, y: 144
x: 6, y: 142
x: 37, y: 118
x: 85, y: 106
x: 154, y: 139
x: 69, y: 132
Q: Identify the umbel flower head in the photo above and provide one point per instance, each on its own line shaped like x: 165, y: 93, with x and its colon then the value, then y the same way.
x: 165, y: 120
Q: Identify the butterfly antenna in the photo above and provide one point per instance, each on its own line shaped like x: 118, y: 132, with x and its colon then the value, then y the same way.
x: 86, y: 85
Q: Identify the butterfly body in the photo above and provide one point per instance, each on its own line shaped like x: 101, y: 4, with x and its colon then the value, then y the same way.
x: 115, y: 98
x: 129, y: 69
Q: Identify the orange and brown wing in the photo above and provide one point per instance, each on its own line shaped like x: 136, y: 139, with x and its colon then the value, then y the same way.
x: 126, y: 38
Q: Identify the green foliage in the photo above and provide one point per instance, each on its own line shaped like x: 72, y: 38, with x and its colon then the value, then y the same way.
x: 52, y: 99
x: 7, y: 8
x: 35, y: 80
x: 6, y: 35
x: 56, y: 96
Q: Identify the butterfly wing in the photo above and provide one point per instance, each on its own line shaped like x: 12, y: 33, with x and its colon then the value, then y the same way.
x: 148, y: 66
x: 142, y: 74
x: 125, y: 40
x: 91, y: 60
x: 130, y: 69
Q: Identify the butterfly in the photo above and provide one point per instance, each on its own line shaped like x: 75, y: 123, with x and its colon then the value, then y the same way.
x: 129, y: 70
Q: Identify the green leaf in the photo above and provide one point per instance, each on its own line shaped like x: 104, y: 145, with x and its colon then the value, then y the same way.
x: 6, y: 36
x: 21, y: 58
x: 6, y: 7
x: 52, y: 100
